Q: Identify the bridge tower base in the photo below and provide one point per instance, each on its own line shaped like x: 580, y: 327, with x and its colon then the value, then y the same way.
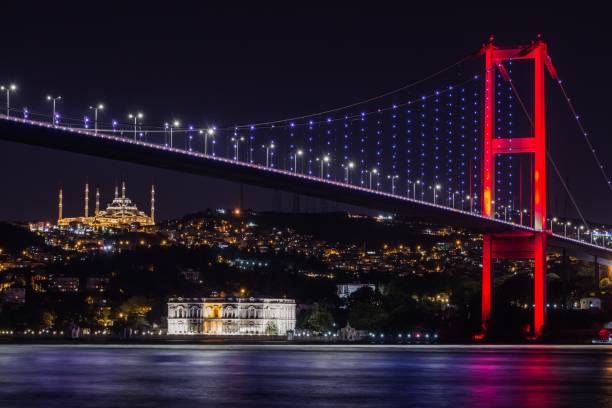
x: 515, y: 245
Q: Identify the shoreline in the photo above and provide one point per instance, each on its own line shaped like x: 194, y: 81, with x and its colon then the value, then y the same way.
x: 306, y: 347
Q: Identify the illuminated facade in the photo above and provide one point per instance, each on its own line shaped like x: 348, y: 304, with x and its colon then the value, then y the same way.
x: 120, y: 212
x: 231, y: 316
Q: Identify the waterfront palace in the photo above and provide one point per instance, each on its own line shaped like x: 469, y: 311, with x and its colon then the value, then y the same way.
x: 231, y: 316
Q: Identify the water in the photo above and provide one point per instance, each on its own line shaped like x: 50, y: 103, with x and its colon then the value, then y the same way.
x: 298, y: 376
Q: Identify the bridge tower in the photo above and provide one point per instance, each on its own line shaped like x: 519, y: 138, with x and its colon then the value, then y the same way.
x: 516, y: 245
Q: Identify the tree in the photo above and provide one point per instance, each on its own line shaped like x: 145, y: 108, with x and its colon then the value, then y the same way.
x: 366, y: 311
x: 48, y: 318
x: 271, y: 329
x: 319, y: 319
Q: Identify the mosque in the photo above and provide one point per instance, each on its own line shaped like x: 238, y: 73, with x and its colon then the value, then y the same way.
x: 120, y: 213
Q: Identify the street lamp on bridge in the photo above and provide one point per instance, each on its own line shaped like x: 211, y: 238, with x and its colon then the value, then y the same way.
x: 237, y: 141
x: 8, y: 89
x: 173, y: 125
x: 392, y: 178
x: 96, y: 108
x: 208, y: 132
x: 325, y: 159
x: 135, y: 116
x: 347, y: 167
x: 53, y: 100
x: 373, y: 171
x: 554, y: 219
x: 268, y: 148
x: 298, y: 153
x: 436, y: 188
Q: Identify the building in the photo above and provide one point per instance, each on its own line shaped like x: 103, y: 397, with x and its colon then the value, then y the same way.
x: 590, y: 303
x: 64, y: 284
x: 97, y: 283
x: 120, y: 212
x: 231, y: 316
x: 190, y: 275
x: 345, y: 290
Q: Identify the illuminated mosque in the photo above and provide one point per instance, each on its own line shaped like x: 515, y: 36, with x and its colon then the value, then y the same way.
x: 121, y: 212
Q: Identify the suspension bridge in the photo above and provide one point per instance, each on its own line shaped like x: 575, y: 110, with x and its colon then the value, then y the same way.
x: 445, y: 152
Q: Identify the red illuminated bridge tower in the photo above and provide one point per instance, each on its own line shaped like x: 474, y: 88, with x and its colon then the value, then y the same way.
x: 516, y: 245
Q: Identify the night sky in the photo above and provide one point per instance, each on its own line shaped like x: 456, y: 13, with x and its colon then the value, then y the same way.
x: 228, y: 65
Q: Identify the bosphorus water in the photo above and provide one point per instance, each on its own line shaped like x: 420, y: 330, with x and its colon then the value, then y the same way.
x: 304, y: 376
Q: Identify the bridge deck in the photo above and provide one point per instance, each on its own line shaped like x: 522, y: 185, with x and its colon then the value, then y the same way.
x: 125, y: 149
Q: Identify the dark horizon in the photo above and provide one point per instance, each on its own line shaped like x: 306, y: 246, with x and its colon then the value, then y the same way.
x: 237, y: 65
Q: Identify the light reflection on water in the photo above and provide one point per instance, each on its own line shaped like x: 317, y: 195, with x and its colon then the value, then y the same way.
x: 211, y: 376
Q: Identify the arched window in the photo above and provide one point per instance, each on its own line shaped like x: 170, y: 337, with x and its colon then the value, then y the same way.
x: 229, y: 312
x: 251, y: 312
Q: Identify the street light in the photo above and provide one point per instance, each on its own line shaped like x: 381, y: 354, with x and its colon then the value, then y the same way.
x: 8, y: 89
x: 456, y: 192
x: 373, y: 171
x: 554, y: 219
x: 209, y: 132
x: 297, y: 154
x: 54, y: 99
x: 579, y: 229
x: 323, y: 160
x: 173, y: 125
x: 95, y: 109
x: 268, y: 148
x: 348, y: 167
x: 436, y: 188
x: 565, y: 228
x: 135, y: 116
x: 237, y: 141
x: 414, y: 188
x: 392, y: 178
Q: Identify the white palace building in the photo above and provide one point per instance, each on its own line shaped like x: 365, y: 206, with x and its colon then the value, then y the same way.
x: 231, y: 316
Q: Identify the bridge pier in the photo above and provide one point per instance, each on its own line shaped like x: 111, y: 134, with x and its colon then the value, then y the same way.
x: 519, y: 245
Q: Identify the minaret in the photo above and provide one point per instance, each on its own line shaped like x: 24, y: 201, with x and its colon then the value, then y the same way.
x: 116, y: 191
x: 60, y: 206
x: 86, y: 200
x: 97, y: 201
x: 153, y: 204
x: 123, y: 201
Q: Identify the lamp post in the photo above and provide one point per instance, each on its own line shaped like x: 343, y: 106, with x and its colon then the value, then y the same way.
x: 173, y: 125
x: 135, y: 116
x: 414, y: 188
x: 325, y: 159
x: 95, y: 109
x: 579, y: 229
x: 53, y: 100
x: 373, y: 171
x: 209, y: 132
x: 565, y: 228
x: 554, y: 219
x: 268, y: 148
x: 453, y: 196
x: 8, y: 89
x: 298, y: 153
x: 435, y: 188
x: 392, y: 178
x: 347, y: 168
x: 237, y: 141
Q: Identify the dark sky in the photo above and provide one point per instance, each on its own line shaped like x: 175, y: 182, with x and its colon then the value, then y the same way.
x: 231, y: 64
